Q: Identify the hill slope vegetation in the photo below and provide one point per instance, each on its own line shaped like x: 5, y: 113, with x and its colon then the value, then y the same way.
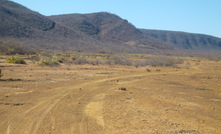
x: 26, y: 31
x: 184, y: 40
x: 111, y: 28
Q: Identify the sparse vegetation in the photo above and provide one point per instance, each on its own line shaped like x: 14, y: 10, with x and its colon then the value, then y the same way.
x: 58, y: 59
x: 48, y: 63
x: 129, y: 89
x: 31, y: 31
x: 50, y: 60
x: 108, y: 59
x: 119, y: 60
x: 96, y: 62
x: 78, y: 96
x: 11, y: 47
x: 184, y: 40
x: 16, y: 60
x: 163, y: 61
x: 160, y: 61
x: 80, y: 61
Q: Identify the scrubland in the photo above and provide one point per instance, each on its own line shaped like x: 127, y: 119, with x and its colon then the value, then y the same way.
x: 109, y: 94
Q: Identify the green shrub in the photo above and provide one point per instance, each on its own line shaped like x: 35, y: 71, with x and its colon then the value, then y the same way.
x: 58, y: 59
x: 16, y: 60
x: 48, y: 61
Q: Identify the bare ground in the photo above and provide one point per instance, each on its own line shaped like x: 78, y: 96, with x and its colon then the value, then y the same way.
x: 86, y: 99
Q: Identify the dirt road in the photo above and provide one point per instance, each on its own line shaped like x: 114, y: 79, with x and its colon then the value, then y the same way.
x: 87, y: 100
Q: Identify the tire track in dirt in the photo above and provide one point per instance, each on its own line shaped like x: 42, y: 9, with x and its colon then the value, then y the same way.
x: 25, y: 114
x: 42, y: 109
x: 35, y: 129
x: 86, y: 99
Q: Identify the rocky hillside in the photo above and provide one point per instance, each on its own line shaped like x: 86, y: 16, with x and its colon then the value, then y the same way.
x: 18, y: 21
x: 109, y: 27
x: 97, y: 32
x: 186, y: 40
x: 23, y: 29
x: 27, y: 27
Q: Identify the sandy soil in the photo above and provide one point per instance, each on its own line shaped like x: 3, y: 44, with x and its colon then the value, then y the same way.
x: 86, y: 99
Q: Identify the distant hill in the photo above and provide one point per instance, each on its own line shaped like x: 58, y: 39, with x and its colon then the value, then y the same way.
x: 30, y: 28
x: 18, y: 21
x: 185, y: 40
x: 24, y: 31
x: 98, y: 32
x: 109, y: 27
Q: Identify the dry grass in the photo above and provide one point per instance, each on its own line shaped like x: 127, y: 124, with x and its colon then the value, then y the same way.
x: 156, y: 100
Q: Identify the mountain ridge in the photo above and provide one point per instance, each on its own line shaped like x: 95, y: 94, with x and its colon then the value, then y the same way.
x: 108, y: 27
x: 92, y: 32
x: 185, y: 40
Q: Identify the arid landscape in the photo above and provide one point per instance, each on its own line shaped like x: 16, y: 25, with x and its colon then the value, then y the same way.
x: 110, y: 99
x: 72, y: 72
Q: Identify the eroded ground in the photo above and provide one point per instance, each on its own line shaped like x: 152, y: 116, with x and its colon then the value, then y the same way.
x: 86, y: 99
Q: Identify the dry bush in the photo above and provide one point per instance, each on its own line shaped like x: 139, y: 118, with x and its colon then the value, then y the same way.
x: 161, y: 61
x: 164, y: 61
x: 140, y: 63
x: 214, y: 58
x: 119, y: 60
x: 80, y: 61
x: 10, y: 47
x: 48, y: 63
x: 96, y: 62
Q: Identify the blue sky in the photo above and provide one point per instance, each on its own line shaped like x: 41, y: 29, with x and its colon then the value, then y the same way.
x: 195, y: 16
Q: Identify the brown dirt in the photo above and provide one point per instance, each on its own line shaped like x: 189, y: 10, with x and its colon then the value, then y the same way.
x: 86, y: 99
